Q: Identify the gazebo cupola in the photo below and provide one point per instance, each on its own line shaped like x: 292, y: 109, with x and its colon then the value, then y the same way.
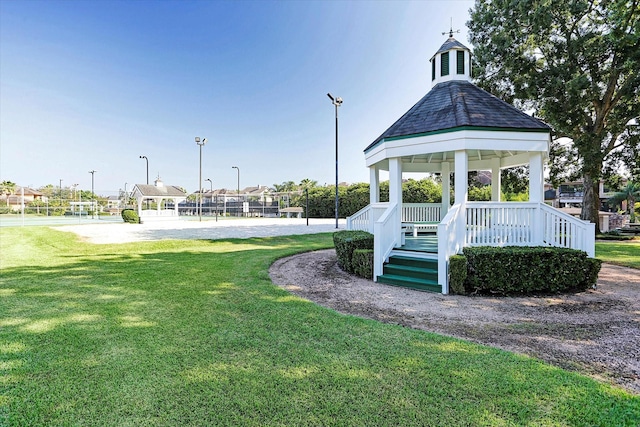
x: 451, y: 62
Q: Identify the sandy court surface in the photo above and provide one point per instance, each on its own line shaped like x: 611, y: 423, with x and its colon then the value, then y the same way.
x: 209, y: 229
x: 596, y: 332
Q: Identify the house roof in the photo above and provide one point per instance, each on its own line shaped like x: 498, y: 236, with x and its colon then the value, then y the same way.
x: 459, y: 104
x: 163, y: 191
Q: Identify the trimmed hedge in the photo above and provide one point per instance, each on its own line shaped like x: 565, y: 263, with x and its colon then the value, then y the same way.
x: 457, y: 274
x: 362, y: 262
x: 346, y: 242
x: 515, y: 270
x: 130, y: 216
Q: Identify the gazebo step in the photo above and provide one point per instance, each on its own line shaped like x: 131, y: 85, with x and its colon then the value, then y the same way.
x: 411, y: 272
x: 409, y: 282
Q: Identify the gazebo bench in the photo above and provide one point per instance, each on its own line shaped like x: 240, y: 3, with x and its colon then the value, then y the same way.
x: 415, y: 227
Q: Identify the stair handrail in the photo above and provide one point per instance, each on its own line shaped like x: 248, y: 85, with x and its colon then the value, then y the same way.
x: 365, y: 217
x: 450, y: 241
x: 575, y: 233
x: 385, y: 237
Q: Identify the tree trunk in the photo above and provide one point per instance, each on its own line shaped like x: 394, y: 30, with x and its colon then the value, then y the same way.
x: 591, y: 201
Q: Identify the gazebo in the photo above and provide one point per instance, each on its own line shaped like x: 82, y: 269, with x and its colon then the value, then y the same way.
x: 158, y: 193
x: 456, y: 128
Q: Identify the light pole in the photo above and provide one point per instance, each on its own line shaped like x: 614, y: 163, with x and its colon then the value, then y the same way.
x: 200, y: 144
x: 60, y: 193
x: 93, y: 196
x: 211, y: 186
x: 73, y: 198
x: 147, y: 160
x: 235, y: 167
x: 337, y: 102
x: 126, y: 196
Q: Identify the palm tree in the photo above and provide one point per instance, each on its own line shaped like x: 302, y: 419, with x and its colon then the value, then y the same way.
x: 630, y: 193
x: 308, y: 184
x: 7, y: 188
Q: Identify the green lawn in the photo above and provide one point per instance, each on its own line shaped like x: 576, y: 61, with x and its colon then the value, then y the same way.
x: 194, y: 333
x: 621, y: 253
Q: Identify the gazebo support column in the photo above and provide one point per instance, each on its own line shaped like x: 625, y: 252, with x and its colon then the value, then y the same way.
x: 536, y: 177
x: 461, y: 191
x: 395, y: 193
x: 374, y: 184
x: 446, y: 188
x: 495, y: 180
x: 536, y: 192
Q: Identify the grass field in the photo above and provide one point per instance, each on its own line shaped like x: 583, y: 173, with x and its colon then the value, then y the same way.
x: 194, y: 333
x: 621, y: 253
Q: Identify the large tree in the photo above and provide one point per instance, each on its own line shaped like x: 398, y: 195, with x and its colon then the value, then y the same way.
x: 576, y: 64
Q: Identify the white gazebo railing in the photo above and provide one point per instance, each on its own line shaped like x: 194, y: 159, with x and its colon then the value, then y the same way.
x: 366, y: 217
x: 385, y: 232
x: 563, y: 230
x: 421, y: 212
x: 526, y: 224
x: 474, y: 224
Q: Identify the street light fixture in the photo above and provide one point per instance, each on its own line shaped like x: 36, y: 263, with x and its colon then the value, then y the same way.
x: 200, y: 144
x: 93, y: 196
x: 235, y: 167
x: 337, y: 102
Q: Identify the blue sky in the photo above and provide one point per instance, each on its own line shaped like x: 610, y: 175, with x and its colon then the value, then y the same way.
x: 92, y: 85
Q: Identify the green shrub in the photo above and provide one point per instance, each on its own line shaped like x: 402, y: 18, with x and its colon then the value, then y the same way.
x: 130, y: 216
x: 347, y: 241
x: 362, y: 262
x: 457, y: 274
x: 515, y: 270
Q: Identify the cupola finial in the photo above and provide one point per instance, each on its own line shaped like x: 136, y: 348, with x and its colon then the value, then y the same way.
x: 451, y: 30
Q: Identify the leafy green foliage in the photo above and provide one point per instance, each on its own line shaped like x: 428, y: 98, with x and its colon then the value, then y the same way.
x: 480, y: 194
x: 516, y: 270
x: 356, y: 196
x: 577, y: 65
x: 347, y: 241
x: 362, y: 262
x: 130, y: 216
x: 457, y: 274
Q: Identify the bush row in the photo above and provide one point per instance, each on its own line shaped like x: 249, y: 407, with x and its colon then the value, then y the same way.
x: 352, y: 251
x: 516, y: 270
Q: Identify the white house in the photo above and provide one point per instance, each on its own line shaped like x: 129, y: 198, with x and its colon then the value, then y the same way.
x: 158, y: 193
x: 457, y: 127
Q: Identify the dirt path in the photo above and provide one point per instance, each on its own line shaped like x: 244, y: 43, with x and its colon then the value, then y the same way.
x: 595, y: 332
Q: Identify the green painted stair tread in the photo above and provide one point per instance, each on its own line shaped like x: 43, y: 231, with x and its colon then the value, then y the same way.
x: 411, y: 261
x: 409, y: 282
x: 411, y: 271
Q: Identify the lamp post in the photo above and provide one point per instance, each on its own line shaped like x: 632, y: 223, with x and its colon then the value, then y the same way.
x: 337, y: 102
x: 73, y: 197
x: 60, y: 192
x: 211, y: 187
x: 147, y: 160
x: 126, y: 196
x: 93, y: 196
x: 200, y: 144
x: 235, y: 167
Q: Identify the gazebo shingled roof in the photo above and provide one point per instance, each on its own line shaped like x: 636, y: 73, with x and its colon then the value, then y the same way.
x: 455, y: 104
